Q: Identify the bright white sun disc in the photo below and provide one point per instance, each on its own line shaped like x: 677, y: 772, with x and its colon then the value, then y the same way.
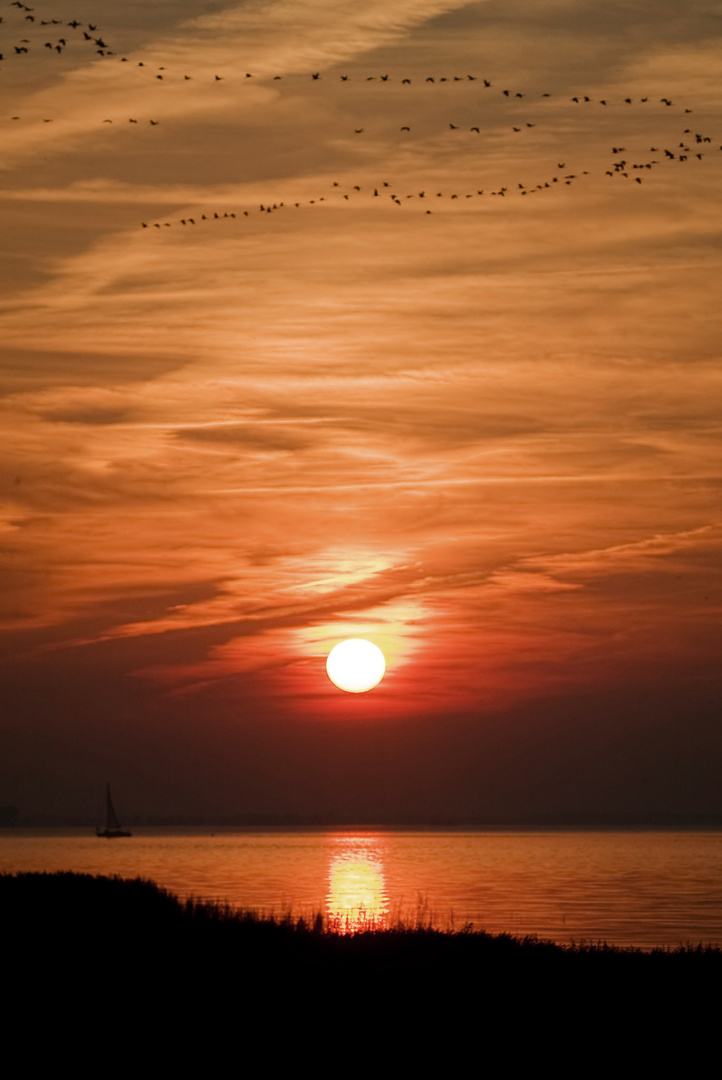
x: 355, y: 665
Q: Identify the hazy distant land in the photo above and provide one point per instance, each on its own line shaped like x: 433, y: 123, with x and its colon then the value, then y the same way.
x: 11, y: 817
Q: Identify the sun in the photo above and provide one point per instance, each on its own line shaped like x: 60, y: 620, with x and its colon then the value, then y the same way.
x: 355, y: 665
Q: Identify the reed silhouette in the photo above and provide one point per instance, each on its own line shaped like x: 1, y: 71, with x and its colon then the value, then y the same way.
x: 186, y: 983
x: 90, y: 917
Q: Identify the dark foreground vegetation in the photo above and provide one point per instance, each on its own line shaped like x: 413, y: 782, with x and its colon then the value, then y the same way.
x: 114, y: 948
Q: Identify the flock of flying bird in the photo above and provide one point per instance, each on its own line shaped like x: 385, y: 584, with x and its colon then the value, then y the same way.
x: 620, y: 167
x: 691, y: 147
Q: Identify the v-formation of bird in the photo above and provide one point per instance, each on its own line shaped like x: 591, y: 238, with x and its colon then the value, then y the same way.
x: 384, y: 190
x: 161, y: 73
x: 618, y: 167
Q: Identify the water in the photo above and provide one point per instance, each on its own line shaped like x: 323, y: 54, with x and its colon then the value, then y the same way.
x: 628, y: 888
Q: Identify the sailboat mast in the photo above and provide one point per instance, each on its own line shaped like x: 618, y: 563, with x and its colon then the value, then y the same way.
x: 112, y: 822
x: 113, y: 826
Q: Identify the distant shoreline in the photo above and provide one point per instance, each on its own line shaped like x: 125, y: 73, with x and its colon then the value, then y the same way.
x: 278, y: 822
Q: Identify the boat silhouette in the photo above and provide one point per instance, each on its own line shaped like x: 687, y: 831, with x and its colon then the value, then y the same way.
x: 113, y: 829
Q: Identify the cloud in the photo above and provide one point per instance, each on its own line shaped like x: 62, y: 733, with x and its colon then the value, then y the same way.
x: 486, y: 434
x: 264, y: 436
x: 647, y: 553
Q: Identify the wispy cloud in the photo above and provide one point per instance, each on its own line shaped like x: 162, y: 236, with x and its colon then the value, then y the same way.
x: 453, y: 389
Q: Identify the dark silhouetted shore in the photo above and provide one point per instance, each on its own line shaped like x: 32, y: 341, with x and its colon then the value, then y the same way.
x: 133, y: 924
x: 153, y: 978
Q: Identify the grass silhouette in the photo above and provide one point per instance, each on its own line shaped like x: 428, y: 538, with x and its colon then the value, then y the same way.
x: 84, y: 945
x: 73, y: 910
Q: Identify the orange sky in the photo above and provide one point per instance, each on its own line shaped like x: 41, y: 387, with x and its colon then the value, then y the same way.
x: 485, y: 437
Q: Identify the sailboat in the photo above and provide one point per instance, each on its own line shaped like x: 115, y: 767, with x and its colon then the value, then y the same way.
x: 113, y: 829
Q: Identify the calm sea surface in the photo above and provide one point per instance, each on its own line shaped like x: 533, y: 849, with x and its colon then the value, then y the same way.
x: 628, y: 888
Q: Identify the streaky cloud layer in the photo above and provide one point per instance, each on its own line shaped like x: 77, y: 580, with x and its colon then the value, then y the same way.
x: 385, y: 353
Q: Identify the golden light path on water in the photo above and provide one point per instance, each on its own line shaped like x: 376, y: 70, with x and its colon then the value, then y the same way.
x: 357, y: 898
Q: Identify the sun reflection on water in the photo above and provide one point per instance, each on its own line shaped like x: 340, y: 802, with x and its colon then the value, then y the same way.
x: 357, y: 897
